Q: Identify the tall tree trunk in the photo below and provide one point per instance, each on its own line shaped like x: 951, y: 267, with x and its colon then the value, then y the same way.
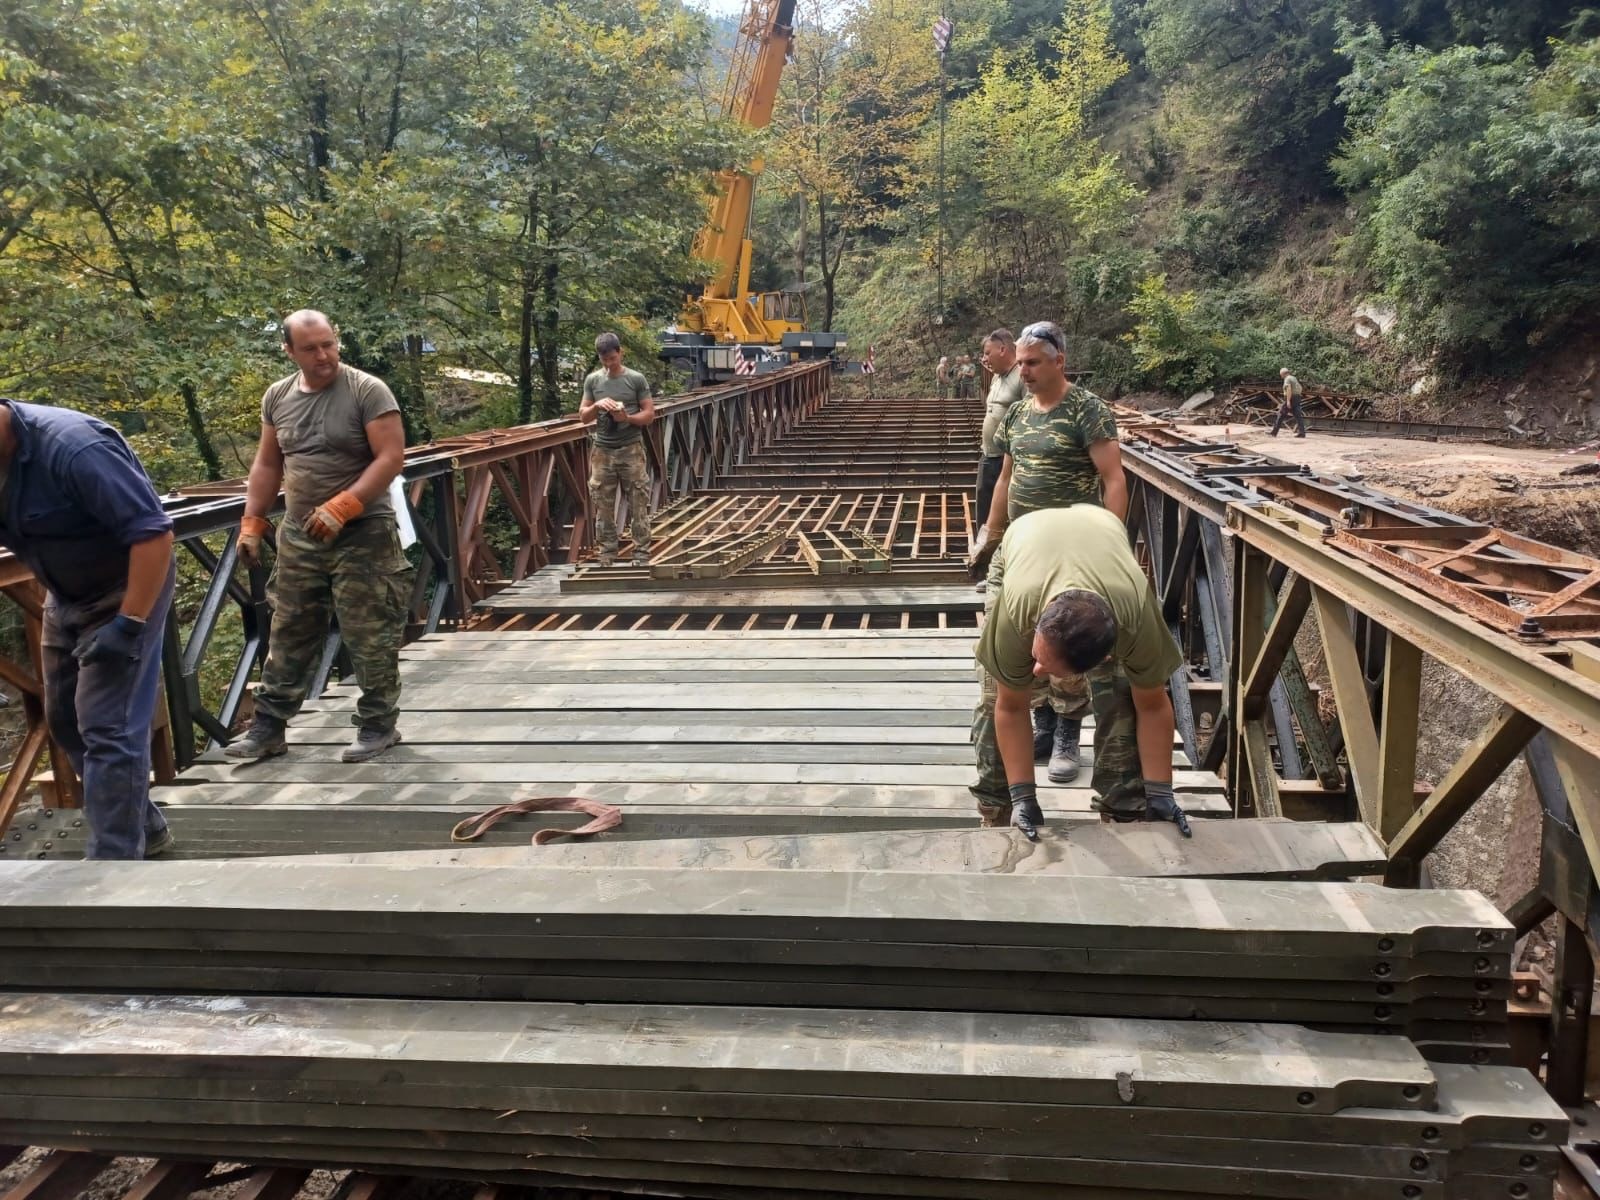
x: 525, y: 307
x: 197, y: 430
x: 525, y: 352
x: 317, y: 132
x: 549, y: 352
x: 822, y: 261
x: 801, y: 240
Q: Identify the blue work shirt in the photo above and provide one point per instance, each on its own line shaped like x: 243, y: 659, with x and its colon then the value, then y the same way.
x: 76, y: 499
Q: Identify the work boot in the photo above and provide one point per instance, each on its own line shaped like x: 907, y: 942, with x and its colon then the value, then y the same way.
x: 158, y: 844
x: 641, y: 558
x: 1044, y: 731
x: 1064, y: 756
x: 606, y: 557
x: 264, y: 740
x: 369, y: 744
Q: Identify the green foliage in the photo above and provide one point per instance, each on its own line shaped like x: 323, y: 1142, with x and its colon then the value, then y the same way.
x: 1264, y: 73
x: 1225, y: 234
x: 1478, y: 176
x: 1173, y: 341
x: 494, y: 180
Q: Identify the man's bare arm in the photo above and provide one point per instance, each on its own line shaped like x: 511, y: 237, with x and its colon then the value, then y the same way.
x: 1106, y: 455
x: 266, y: 474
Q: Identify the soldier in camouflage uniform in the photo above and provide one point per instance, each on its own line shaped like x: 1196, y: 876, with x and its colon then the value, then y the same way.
x: 1059, y: 448
x: 332, y: 439
x: 1069, y: 600
x: 617, y: 400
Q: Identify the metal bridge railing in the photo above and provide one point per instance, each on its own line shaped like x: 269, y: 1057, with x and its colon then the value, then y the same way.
x: 1243, y: 549
x: 537, y: 473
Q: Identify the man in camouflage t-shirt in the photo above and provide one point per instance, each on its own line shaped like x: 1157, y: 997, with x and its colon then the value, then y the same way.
x: 1059, y: 448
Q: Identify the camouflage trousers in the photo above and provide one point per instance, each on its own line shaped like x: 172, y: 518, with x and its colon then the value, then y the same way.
x: 611, y: 471
x: 1116, y: 776
x: 364, y: 580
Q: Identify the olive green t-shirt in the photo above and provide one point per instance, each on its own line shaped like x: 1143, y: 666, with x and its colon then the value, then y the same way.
x: 323, y: 436
x: 629, y: 389
x: 1004, y: 391
x: 1291, y: 387
x: 1082, y: 548
x: 1050, y: 463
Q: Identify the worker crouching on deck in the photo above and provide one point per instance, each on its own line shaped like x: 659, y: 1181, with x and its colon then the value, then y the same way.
x: 78, y: 510
x: 1069, y: 600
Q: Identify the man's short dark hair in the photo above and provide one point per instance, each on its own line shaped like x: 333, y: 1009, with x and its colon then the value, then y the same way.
x: 606, y: 343
x: 1002, y: 337
x: 1080, y: 627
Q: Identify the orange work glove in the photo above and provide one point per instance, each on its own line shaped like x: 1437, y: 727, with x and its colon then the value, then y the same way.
x: 251, y: 531
x: 332, y: 515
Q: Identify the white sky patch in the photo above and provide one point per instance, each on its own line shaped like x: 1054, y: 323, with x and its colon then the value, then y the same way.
x: 719, y: 8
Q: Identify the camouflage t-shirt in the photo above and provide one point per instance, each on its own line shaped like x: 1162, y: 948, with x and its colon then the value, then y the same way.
x: 1050, y: 464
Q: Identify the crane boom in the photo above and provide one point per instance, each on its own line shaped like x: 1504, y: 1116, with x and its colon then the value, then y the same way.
x: 726, y: 324
x: 765, y: 37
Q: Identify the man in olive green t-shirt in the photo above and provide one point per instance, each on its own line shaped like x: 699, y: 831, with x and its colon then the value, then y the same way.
x: 332, y: 438
x: 1292, y: 391
x: 617, y: 401
x: 1070, y: 600
x: 1005, y: 390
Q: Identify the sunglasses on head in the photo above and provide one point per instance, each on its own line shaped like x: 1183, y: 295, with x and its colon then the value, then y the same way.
x: 1043, y: 332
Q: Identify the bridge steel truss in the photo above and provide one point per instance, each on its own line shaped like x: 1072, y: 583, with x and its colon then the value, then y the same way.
x: 537, y: 475
x: 1243, y: 549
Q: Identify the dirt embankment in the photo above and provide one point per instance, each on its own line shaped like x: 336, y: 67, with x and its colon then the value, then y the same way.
x: 1519, y: 489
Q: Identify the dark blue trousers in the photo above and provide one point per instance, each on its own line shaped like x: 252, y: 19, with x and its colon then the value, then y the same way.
x: 101, y: 715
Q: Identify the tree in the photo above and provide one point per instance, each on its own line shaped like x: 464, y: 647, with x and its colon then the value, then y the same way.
x: 134, y: 233
x: 1478, y: 177
x: 595, y: 161
x: 852, y: 107
x: 1030, y: 184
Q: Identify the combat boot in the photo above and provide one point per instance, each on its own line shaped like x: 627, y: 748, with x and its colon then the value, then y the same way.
x: 368, y: 744
x: 1044, y: 731
x: 265, y: 740
x: 1064, y: 752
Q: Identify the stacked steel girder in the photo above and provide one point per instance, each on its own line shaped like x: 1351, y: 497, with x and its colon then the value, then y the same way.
x: 1434, y: 966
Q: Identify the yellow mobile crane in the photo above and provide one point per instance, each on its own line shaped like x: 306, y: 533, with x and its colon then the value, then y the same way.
x: 727, y: 322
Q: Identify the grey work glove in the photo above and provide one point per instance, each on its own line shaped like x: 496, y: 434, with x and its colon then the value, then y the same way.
x: 1161, y: 805
x: 978, y: 563
x: 1026, y: 814
x: 116, y: 642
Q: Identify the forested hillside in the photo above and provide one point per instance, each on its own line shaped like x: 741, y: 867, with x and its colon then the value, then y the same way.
x: 1202, y: 189
x: 1197, y: 189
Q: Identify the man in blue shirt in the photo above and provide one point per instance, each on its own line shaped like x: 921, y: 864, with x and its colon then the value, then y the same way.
x: 78, y: 510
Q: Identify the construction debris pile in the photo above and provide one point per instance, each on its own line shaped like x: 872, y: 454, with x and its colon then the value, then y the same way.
x: 779, y: 1033
x: 1258, y: 403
